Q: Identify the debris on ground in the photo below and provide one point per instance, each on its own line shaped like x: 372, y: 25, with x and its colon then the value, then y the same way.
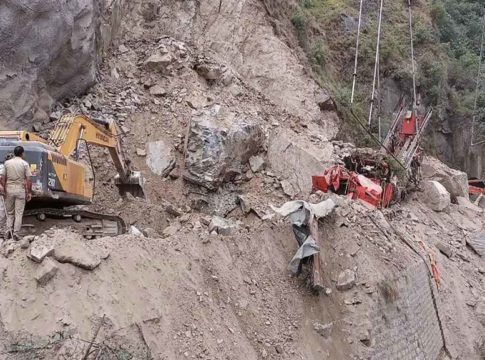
x: 172, y: 229
x: 251, y: 203
x: 256, y: 163
x: 445, y: 249
x: 26, y: 240
x: 221, y: 226
x: 288, y: 188
x: 40, y: 249
x: 215, y: 153
x: 324, y: 330
x: 300, y: 212
x: 160, y: 157
x: 134, y: 231
x: 477, y: 243
x: 72, y: 250
x: 141, y: 152
x: 346, y: 280
x: 46, y: 271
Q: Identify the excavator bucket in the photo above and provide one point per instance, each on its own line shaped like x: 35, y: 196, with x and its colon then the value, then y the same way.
x: 133, y: 184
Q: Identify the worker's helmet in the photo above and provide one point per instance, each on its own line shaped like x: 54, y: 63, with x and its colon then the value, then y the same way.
x: 409, y: 114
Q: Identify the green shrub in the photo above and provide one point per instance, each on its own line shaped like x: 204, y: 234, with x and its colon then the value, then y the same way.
x: 299, y: 21
x: 422, y: 35
x: 306, y: 3
x: 318, y: 55
x: 438, y: 11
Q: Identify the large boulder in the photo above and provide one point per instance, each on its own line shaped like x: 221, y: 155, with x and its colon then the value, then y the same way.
x: 435, y: 195
x: 48, y: 51
x: 218, y: 144
x: 455, y: 181
x: 295, y: 159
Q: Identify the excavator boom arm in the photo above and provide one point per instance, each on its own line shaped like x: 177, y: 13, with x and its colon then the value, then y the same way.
x: 71, y: 128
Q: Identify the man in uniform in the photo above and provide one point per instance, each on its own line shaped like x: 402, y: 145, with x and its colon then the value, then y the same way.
x: 3, y: 210
x: 17, y: 184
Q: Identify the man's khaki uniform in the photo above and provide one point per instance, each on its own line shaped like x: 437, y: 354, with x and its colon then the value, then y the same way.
x: 3, y: 211
x: 16, y: 171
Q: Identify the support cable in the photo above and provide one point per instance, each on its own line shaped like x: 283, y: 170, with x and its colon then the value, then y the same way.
x: 354, y: 75
x: 477, y: 88
x: 376, y: 64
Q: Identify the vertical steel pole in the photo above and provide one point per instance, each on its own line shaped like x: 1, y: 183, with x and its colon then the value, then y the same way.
x: 354, y: 75
x: 376, y: 63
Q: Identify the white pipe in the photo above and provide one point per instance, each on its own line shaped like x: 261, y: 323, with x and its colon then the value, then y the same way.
x: 412, y: 56
x: 356, y: 54
x: 376, y: 62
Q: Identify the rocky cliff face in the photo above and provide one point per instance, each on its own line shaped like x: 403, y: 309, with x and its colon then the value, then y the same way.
x: 454, y: 147
x: 47, y: 52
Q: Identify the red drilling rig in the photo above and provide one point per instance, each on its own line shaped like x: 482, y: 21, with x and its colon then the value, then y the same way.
x: 370, y: 176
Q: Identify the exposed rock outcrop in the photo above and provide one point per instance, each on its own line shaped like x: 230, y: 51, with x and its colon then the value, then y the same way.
x: 47, y: 52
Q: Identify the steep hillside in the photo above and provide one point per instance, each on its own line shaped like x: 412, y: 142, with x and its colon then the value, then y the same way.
x: 224, y: 108
x: 447, y: 36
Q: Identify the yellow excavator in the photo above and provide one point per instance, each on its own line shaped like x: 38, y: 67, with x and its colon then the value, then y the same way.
x: 63, y: 175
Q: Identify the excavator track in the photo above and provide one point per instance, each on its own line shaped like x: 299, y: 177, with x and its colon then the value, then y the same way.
x: 87, y: 223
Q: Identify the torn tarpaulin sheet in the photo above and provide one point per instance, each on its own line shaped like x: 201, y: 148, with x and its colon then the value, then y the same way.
x: 300, y: 212
x: 301, y: 233
x: 308, y: 249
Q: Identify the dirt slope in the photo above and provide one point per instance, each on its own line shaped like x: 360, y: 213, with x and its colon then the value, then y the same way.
x: 191, y: 295
x: 185, y: 293
x: 197, y: 295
